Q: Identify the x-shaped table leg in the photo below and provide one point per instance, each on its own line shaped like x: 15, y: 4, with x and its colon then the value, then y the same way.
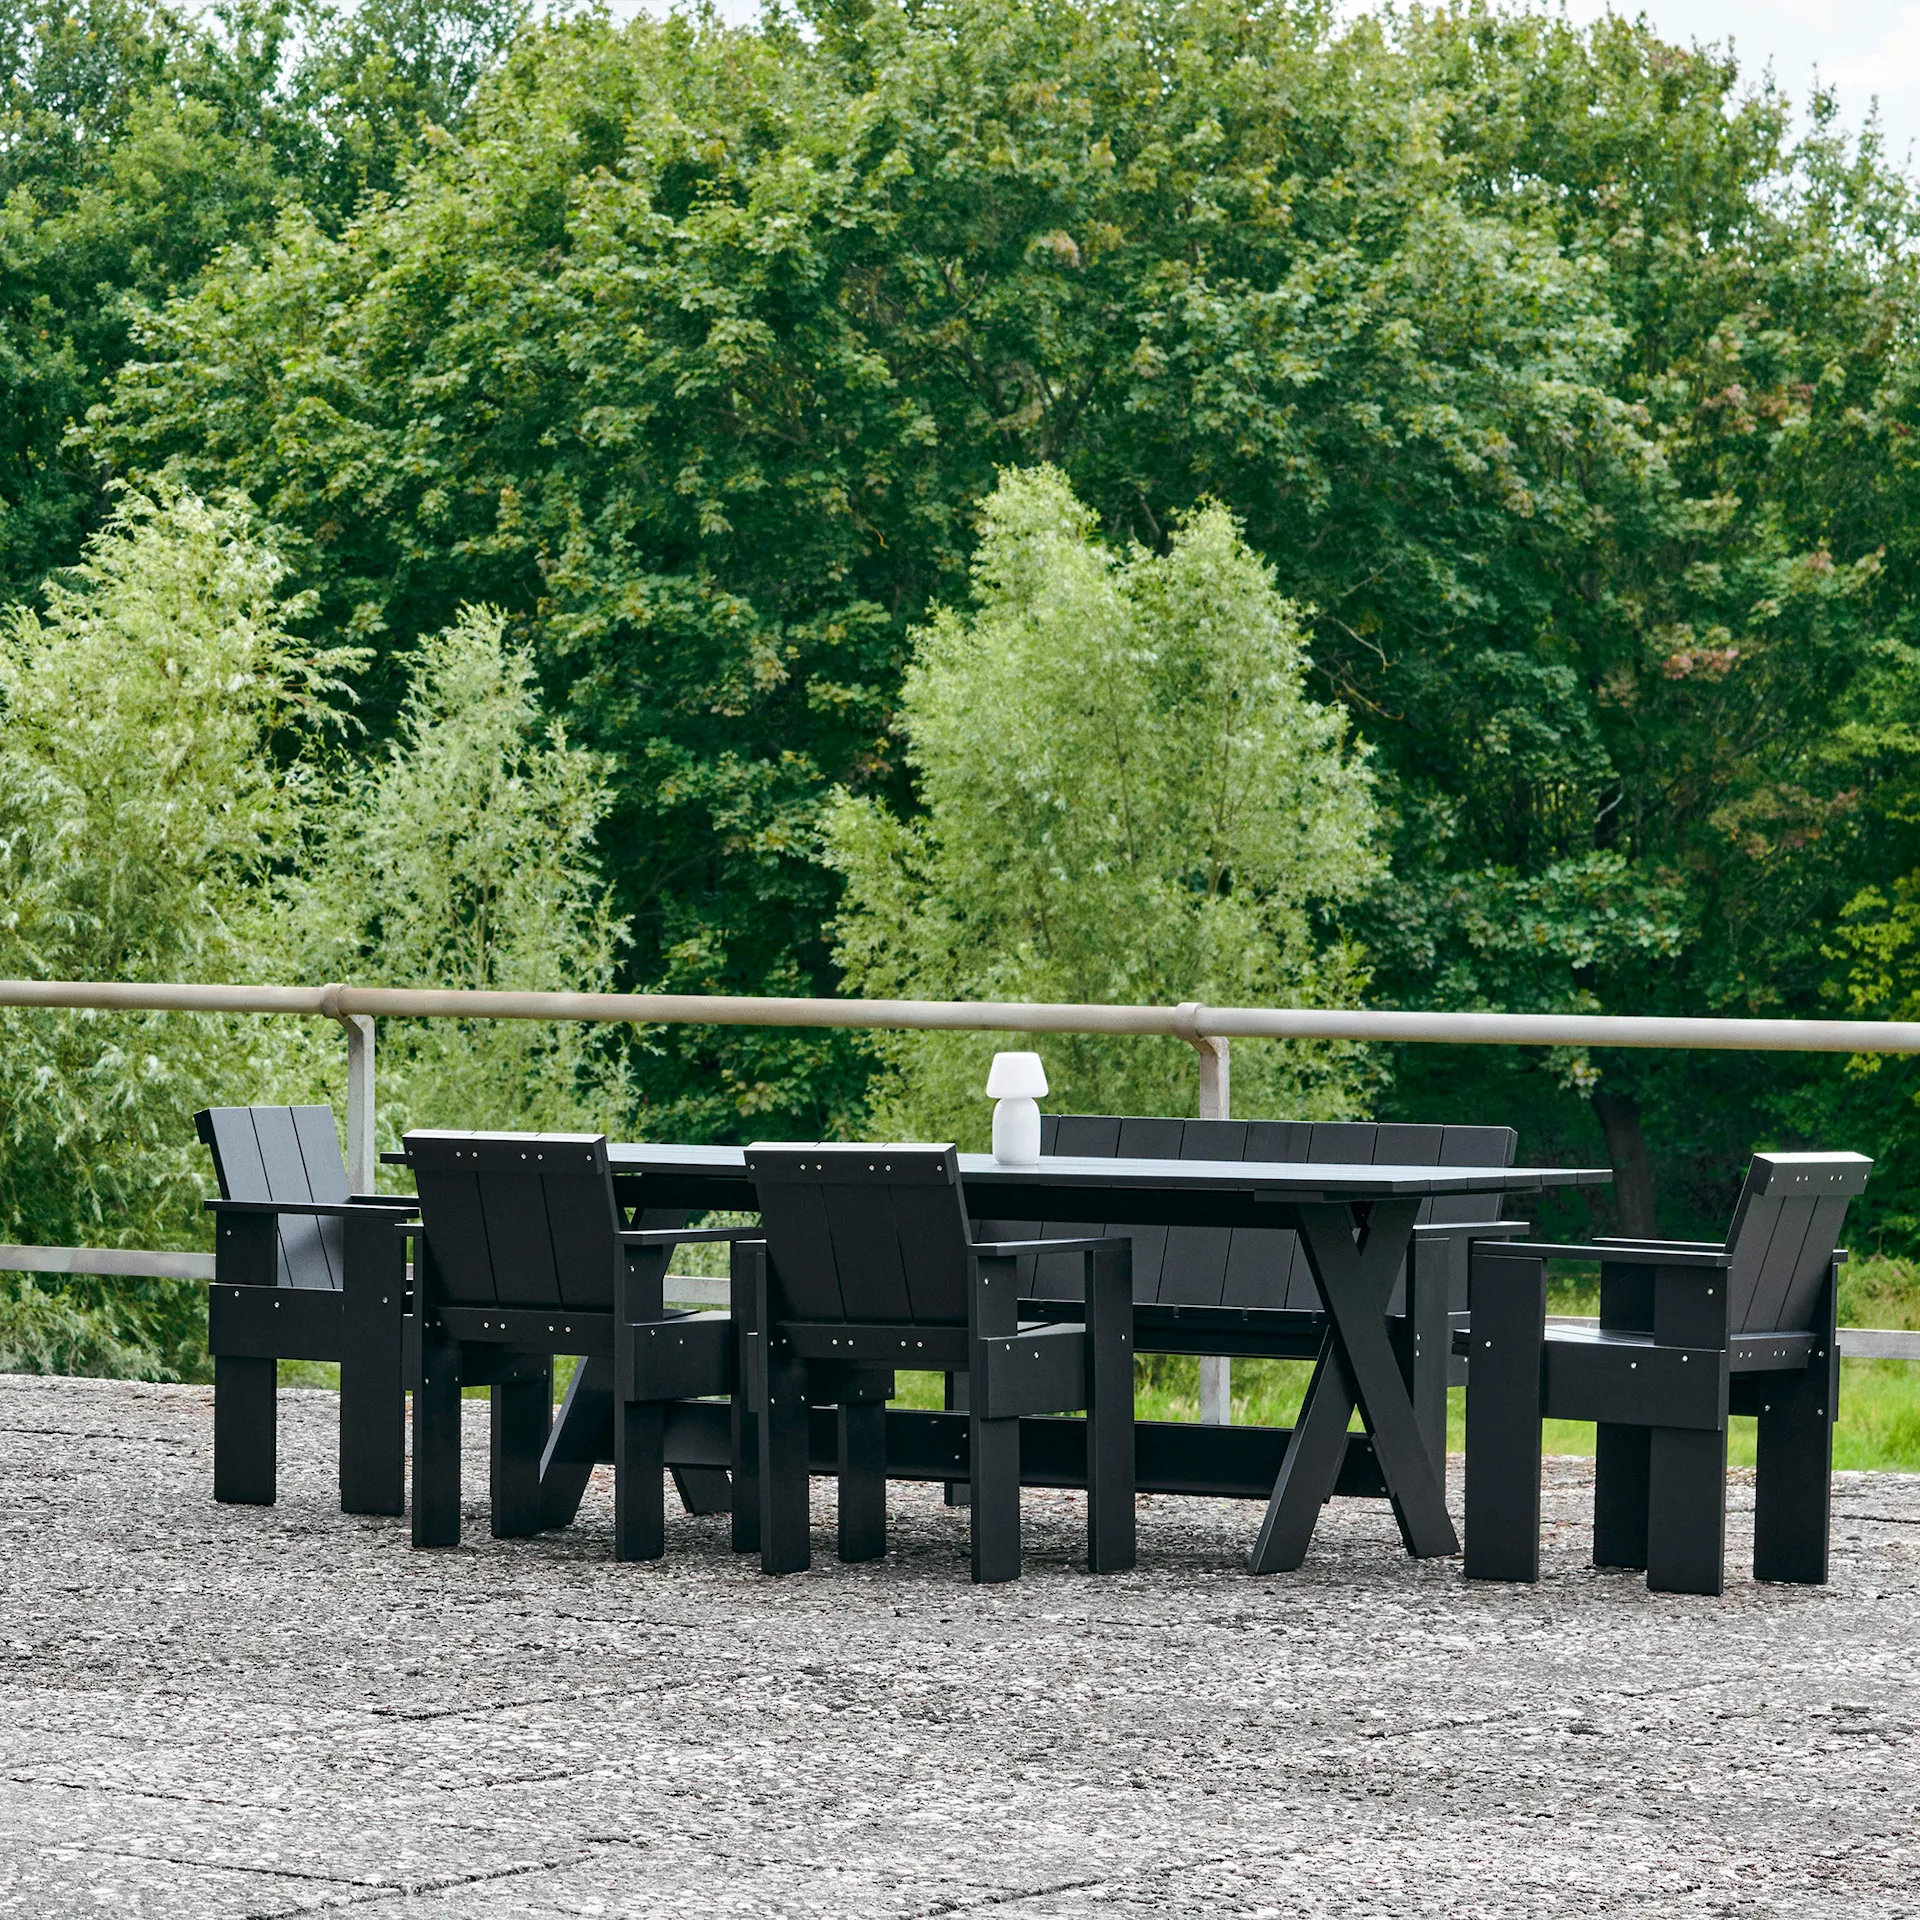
x: 1356, y: 1367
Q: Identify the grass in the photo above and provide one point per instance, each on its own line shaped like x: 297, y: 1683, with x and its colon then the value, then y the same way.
x: 1879, y: 1424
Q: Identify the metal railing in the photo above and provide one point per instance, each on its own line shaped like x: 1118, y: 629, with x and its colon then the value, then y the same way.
x: 1208, y: 1030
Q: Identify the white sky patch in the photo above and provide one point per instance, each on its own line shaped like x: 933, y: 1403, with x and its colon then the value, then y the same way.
x: 1864, y: 50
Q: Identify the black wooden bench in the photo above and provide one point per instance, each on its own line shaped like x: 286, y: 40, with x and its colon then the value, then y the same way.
x: 1688, y: 1333
x: 1248, y: 1292
x: 303, y: 1270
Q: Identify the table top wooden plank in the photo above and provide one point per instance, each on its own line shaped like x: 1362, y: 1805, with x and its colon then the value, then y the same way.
x: 1289, y: 1180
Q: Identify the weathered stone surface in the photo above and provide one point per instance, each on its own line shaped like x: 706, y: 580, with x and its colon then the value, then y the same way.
x: 210, y: 1711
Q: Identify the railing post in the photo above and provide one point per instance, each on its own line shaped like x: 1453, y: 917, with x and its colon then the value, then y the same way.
x: 1216, y: 1103
x: 360, y: 1167
x: 1215, y: 1074
x: 360, y: 1142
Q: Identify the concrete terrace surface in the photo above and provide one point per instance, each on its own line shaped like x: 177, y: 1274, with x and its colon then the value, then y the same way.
x: 211, y: 1711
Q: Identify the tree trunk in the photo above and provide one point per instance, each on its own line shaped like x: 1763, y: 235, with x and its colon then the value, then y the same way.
x: 1619, y: 1117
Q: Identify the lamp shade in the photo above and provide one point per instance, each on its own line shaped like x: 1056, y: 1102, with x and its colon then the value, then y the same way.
x: 1016, y: 1076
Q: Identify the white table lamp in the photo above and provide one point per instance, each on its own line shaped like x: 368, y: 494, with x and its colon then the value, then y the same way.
x: 1016, y: 1082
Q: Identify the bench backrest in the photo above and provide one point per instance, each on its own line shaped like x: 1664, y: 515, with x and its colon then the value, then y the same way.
x: 1246, y: 1266
x: 1785, y: 1230
x: 864, y: 1234
x: 518, y: 1219
x: 289, y: 1154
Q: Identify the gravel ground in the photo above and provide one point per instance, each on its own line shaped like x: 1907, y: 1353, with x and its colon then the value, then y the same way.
x: 241, y: 1711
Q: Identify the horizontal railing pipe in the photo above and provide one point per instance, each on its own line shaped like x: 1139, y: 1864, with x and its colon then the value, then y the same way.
x: 123, y: 1263
x: 1190, y: 1021
x: 1564, y: 1030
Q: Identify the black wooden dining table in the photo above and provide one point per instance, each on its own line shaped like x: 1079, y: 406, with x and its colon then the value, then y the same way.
x: 1356, y: 1226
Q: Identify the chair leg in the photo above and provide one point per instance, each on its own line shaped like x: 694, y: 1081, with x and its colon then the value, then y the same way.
x: 993, y: 1471
x: 373, y: 1374
x: 745, y: 1442
x: 245, y: 1436
x: 747, y: 1295
x: 1793, y: 1481
x: 373, y: 1431
x: 1620, y: 1495
x: 1687, y: 1510
x: 785, y: 1542
x: 522, y: 1414
x: 1508, y: 1317
x: 436, y: 1446
x: 1110, y: 1461
x: 639, y: 1479
x: 1793, y: 1491
x: 863, y: 1480
x: 958, y: 1493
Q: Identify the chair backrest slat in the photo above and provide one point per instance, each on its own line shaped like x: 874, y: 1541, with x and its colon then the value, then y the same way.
x: 290, y: 1155
x: 867, y: 1253
x: 1825, y: 1220
x: 581, y: 1214
x: 229, y: 1136
x: 793, y: 1214
x: 518, y: 1219
x: 1402, y: 1143
x: 1786, y: 1227
x: 319, y: 1143
x: 514, y: 1206
x: 932, y: 1222
x: 863, y: 1233
x: 1343, y: 1142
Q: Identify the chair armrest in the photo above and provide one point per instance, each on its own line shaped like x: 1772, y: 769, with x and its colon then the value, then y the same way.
x: 1611, y: 1240
x: 1468, y: 1229
x: 1112, y: 1244
x: 1662, y: 1253
x: 410, y: 1201
x: 310, y: 1209
x: 674, y: 1236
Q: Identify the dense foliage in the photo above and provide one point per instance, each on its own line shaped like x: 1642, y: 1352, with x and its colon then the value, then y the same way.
x: 462, y: 856
x: 1568, y: 395
x: 174, y: 805
x: 1126, y: 799
x: 142, y: 812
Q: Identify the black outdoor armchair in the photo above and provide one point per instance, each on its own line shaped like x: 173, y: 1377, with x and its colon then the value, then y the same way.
x: 869, y: 1266
x: 303, y: 1270
x: 1688, y: 1333
x: 523, y: 1256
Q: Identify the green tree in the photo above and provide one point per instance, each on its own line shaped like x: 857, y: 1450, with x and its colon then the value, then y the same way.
x: 138, y: 142
x: 462, y: 856
x: 1682, y: 705
x: 1126, y: 796
x: 147, y: 723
